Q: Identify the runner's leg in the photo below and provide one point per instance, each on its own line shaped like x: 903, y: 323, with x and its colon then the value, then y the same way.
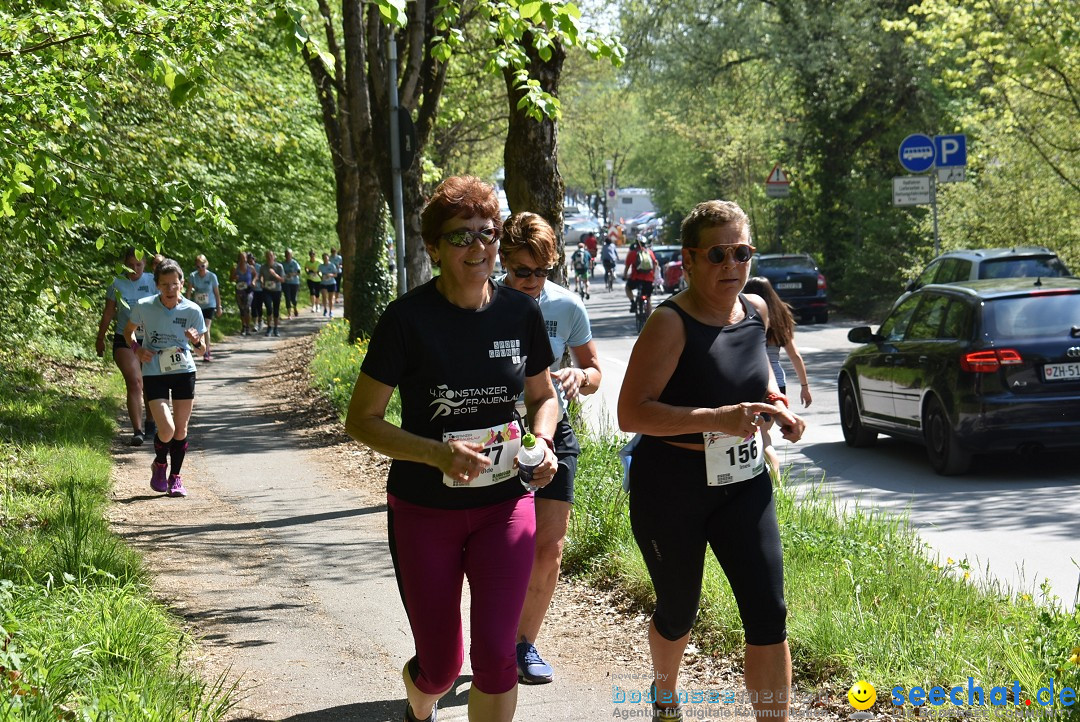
x: 131, y: 370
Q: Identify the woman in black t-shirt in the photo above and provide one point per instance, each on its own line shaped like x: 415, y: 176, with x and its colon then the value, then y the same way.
x: 696, y: 386
x: 460, y: 349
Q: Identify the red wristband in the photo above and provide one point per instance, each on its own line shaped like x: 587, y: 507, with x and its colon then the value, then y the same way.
x: 547, y: 440
x: 772, y: 398
x: 135, y: 347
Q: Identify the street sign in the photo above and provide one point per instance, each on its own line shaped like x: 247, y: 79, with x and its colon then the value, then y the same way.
x: 951, y: 150
x: 917, y: 153
x: 952, y: 174
x: 777, y: 185
x: 611, y: 193
x: 911, y: 190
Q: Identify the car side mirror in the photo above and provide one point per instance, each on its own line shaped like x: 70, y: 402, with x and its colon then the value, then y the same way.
x: 863, y: 334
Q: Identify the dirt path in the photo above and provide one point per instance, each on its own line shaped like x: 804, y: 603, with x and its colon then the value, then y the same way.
x: 278, y: 562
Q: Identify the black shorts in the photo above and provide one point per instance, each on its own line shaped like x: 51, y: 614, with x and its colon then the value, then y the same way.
x: 208, y: 313
x: 118, y: 341
x: 182, y: 386
x: 314, y: 287
x: 561, y: 487
x: 645, y: 286
x: 337, y: 283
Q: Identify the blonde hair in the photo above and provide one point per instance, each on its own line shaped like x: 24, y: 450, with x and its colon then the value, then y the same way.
x: 202, y: 259
x: 529, y: 232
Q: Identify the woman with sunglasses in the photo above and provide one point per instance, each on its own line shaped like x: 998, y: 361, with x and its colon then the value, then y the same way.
x: 461, y: 350
x: 696, y: 386
x: 202, y: 287
x: 529, y: 250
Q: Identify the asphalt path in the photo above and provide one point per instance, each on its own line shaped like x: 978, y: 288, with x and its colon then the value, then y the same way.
x: 1013, y: 519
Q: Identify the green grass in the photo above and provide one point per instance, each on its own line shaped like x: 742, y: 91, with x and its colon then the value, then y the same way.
x: 336, y: 366
x: 866, y: 599
x: 80, y: 634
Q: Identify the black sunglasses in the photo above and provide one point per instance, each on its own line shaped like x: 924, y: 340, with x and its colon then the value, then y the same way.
x: 462, y: 238
x: 739, y: 251
x: 523, y: 272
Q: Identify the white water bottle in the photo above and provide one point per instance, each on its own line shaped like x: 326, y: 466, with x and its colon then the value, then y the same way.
x: 529, y: 456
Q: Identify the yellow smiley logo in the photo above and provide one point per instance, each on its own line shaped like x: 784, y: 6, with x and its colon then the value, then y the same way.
x: 862, y: 695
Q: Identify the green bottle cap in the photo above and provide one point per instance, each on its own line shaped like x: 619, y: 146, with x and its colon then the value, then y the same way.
x: 528, y: 441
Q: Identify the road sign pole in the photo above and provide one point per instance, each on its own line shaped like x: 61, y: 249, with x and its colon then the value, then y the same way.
x: 933, y: 207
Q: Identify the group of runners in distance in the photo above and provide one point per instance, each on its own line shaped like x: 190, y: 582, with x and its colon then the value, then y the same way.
x: 477, y: 361
x: 163, y: 318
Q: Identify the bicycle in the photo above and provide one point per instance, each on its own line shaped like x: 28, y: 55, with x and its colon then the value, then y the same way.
x: 609, y: 277
x: 640, y: 314
x: 580, y: 285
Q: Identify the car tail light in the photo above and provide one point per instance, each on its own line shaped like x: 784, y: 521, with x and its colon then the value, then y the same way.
x: 985, y: 362
x: 821, y: 285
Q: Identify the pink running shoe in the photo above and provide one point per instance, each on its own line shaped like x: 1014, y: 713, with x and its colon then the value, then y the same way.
x: 176, y: 486
x: 157, y: 477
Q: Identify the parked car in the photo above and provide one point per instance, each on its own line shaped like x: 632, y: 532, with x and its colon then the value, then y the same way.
x: 797, y: 280
x: 969, y: 368
x: 665, y: 256
x: 674, y: 280
x: 970, y: 265
x: 575, y: 229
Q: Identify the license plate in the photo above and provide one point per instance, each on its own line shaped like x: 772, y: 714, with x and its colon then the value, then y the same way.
x: 1062, y: 372
x: 788, y: 286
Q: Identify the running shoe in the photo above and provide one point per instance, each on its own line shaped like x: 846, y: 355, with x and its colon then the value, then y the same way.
x: 664, y: 714
x: 331, y: 314
x: 324, y: 312
x: 275, y: 332
x: 532, y: 669
x: 296, y: 313
x: 157, y: 477
x: 206, y: 356
x: 150, y: 428
x: 176, y: 486
x: 136, y: 438
x: 268, y: 330
x: 410, y: 717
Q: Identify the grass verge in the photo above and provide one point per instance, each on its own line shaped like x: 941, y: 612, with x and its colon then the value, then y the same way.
x: 866, y: 599
x: 80, y: 634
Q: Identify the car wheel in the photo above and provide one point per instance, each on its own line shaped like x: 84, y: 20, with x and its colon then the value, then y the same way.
x: 822, y: 317
x: 855, y: 434
x: 946, y: 455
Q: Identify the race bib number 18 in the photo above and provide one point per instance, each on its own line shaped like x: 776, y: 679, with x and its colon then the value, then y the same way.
x: 730, y: 459
x: 174, y: 359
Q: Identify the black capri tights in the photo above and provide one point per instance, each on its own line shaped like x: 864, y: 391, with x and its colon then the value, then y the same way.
x: 272, y: 299
x: 290, y: 290
x: 674, y: 514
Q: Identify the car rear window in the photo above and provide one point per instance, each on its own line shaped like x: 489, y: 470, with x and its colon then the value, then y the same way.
x: 1025, y: 267
x: 1031, y: 316
x: 788, y: 263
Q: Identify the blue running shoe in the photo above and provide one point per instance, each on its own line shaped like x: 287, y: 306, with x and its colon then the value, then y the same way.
x: 532, y: 669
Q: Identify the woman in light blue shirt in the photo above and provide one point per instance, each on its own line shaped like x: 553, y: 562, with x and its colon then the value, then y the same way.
x: 203, y: 289
x: 173, y: 327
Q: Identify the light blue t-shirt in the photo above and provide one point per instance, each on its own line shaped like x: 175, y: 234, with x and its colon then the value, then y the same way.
x: 292, y: 272
x: 325, y: 270
x: 203, y: 288
x: 164, y: 333
x: 567, y: 324
x: 125, y: 292
x: 337, y: 260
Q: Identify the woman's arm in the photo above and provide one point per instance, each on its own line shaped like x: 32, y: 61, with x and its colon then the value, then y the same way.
x: 107, y: 316
x: 217, y: 295
x: 796, y: 359
x: 143, y: 354
x: 542, y: 406
x: 367, y: 424
x: 583, y: 379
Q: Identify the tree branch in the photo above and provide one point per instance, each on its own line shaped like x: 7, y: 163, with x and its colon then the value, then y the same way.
x: 43, y: 45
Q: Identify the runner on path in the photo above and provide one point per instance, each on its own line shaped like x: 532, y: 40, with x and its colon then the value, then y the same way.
x: 203, y: 289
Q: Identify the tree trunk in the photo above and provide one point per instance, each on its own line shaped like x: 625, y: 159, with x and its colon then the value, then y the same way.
x: 369, y: 283
x: 533, y: 182
x: 417, y: 263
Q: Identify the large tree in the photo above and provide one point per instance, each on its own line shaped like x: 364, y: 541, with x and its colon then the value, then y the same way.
x: 350, y: 70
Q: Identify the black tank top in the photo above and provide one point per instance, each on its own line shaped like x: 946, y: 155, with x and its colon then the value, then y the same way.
x: 719, y: 365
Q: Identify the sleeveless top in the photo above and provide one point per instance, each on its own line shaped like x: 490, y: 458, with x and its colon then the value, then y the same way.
x: 719, y: 365
x: 777, y: 369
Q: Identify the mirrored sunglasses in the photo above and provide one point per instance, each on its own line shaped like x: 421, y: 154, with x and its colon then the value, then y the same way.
x: 523, y: 272
x: 739, y: 251
x: 463, y: 237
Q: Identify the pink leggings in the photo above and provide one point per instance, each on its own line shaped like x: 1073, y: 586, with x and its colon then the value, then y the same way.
x: 433, y: 550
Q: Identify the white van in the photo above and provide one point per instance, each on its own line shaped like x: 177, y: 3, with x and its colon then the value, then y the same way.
x: 629, y: 202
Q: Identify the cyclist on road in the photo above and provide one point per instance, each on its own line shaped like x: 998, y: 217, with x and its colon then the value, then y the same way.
x: 640, y: 272
x: 582, y: 263
x: 609, y: 255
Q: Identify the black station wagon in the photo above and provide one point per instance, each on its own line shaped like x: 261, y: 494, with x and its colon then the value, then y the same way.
x: 968, y: 368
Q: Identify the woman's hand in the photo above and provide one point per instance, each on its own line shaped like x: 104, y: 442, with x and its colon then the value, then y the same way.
x: 218, y: 312
x: 144, y: 354
x: 569, y: 380
x: 805, y: 396
x: 193, y: 336
x: 464, y: 462
x: 545, y: 470
x: 100, y: 347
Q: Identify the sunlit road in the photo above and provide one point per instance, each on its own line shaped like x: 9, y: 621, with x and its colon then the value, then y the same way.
x: 1018, y: 516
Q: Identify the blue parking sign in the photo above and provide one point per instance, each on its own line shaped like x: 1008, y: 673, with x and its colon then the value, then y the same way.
x: 917, y: 153
x: 951, y: 150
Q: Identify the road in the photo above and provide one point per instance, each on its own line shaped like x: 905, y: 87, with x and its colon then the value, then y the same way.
x: 1009, y: 515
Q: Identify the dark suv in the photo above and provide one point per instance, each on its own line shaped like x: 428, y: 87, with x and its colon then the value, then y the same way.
x: 967, y: 368
x: 798, y: 281
x: 971, y: 265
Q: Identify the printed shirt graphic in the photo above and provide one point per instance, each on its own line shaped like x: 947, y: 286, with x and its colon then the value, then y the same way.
x: 164, y: 328
x: 567, y: 324
x: 125, y: 293
x: 456, y: 370
x: 292, y: 272
x: 203, y: 288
